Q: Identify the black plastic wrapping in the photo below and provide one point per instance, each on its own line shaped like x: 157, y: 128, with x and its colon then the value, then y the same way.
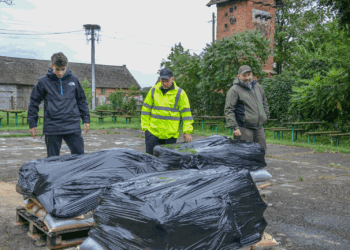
x: 184, y: 209
x: 212, y: 152
x: 68, y: 186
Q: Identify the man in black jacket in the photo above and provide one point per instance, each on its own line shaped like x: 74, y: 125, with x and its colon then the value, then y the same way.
x: 64, y: 104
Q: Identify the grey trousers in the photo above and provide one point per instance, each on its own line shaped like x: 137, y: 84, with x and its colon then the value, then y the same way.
x: 254, y: 135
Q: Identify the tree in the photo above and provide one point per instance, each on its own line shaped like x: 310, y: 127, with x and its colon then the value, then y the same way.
x: 278, y: 92
x: 186, y: 69
x: 292, y: 21
x: 342, y: 9
x: 87, y: 90
x: 322, y: 48
x: 207, y: 77
x: 221, y: 61
x: 130, y: 102
x: 117, y: 98
x: 324, y: 97
x: 9, y: 2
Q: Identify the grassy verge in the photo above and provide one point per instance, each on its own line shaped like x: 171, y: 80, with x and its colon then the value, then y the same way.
x: 323, y: 143
x: 20, y: 135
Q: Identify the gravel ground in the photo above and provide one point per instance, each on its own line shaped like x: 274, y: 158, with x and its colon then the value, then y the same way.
x: 309, y: 199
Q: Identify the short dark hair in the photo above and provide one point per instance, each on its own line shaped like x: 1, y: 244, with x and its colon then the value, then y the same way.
x: 59, y: 59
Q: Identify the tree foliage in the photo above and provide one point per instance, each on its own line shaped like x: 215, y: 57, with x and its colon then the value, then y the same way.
x: 323, y: 52
x: 342, y: 9
x: 124, y: 100
x: 295, y: 19
x: 278, y: 92
x: 324, y: 97
x: 207, y: 77
x: 87, y: 90
x: 221, y: 62
x: 186, y: 70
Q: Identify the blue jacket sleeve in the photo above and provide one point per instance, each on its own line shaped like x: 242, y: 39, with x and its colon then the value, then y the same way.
x: 82, y: 104
x: 36, y: 97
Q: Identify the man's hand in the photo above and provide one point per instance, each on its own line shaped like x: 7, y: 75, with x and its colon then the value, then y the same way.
x: 33, y: 131
x: 188, y: 137
x: 86, y: 127
x: 237, y: 132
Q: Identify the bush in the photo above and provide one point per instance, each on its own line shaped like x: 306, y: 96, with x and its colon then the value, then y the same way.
x: 278, y: 92
x: 324, y: 97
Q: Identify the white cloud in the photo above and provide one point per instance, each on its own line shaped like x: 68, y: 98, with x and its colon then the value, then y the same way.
x: 40, y: 43
x: 136, y: 33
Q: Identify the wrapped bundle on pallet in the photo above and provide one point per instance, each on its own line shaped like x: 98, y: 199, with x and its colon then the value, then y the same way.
x: 33, y: 207
x: 211, y: 152
x: 186, y: 209
x: 68, y: 186
x: 214, y: 151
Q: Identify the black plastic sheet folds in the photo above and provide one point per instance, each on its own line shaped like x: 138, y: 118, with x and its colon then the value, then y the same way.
x: 212, y: 152
x: 184, y: 209
x: 68, y: 186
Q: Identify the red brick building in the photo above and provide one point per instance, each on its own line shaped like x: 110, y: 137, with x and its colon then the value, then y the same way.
x: 234, y: 16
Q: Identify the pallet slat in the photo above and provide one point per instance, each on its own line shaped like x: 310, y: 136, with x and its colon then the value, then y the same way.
x: 53, y: 240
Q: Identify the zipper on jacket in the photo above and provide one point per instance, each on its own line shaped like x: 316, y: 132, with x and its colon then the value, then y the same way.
x: 61, y: 86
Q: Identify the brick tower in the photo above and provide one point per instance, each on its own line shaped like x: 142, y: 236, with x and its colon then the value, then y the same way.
x: 234, y: 16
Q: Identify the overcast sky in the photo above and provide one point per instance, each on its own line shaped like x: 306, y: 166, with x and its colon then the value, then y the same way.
x: 137, y: 33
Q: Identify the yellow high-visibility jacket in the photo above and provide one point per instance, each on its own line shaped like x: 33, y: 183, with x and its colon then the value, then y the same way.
x: 160, y: 114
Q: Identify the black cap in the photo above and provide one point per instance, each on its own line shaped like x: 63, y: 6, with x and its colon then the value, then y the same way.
x: 166, y: 73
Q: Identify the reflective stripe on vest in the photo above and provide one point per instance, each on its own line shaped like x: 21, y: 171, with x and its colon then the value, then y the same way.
x: 165, y: 117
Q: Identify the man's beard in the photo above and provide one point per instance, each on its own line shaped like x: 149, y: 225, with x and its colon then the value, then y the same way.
x: 247, y: 81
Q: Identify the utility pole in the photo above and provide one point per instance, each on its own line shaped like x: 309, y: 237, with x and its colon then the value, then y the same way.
x: 213, y: 21
x: 90, y: 30
x: 213, y: 27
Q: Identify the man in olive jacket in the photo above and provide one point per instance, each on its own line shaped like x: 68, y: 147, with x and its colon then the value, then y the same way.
x: 246, y: 107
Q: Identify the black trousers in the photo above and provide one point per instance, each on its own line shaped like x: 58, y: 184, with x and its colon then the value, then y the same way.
x: 152, y: 141
x: 74, y: 141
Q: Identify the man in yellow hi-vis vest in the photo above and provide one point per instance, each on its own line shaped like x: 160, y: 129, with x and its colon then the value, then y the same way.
x: 165, y: 105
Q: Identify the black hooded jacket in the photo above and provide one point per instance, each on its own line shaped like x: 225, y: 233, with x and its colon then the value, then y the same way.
x: 64, y: 104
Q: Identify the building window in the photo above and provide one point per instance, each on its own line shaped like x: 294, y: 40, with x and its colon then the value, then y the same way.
x: 231, y: 10
x: 103, y: 91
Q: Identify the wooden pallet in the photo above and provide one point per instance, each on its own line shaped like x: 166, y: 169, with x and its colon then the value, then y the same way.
x: 55, y: 240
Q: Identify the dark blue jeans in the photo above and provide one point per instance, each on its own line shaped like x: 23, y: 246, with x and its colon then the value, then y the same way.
x: 152, y: 141
x: 74, y: 141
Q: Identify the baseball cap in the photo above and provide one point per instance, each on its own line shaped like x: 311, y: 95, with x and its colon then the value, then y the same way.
x: 243, y: 69
x: 166, y: 73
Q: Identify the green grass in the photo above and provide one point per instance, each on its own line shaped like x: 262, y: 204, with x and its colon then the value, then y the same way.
x: 20, y: 135
x: 323, y: 143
